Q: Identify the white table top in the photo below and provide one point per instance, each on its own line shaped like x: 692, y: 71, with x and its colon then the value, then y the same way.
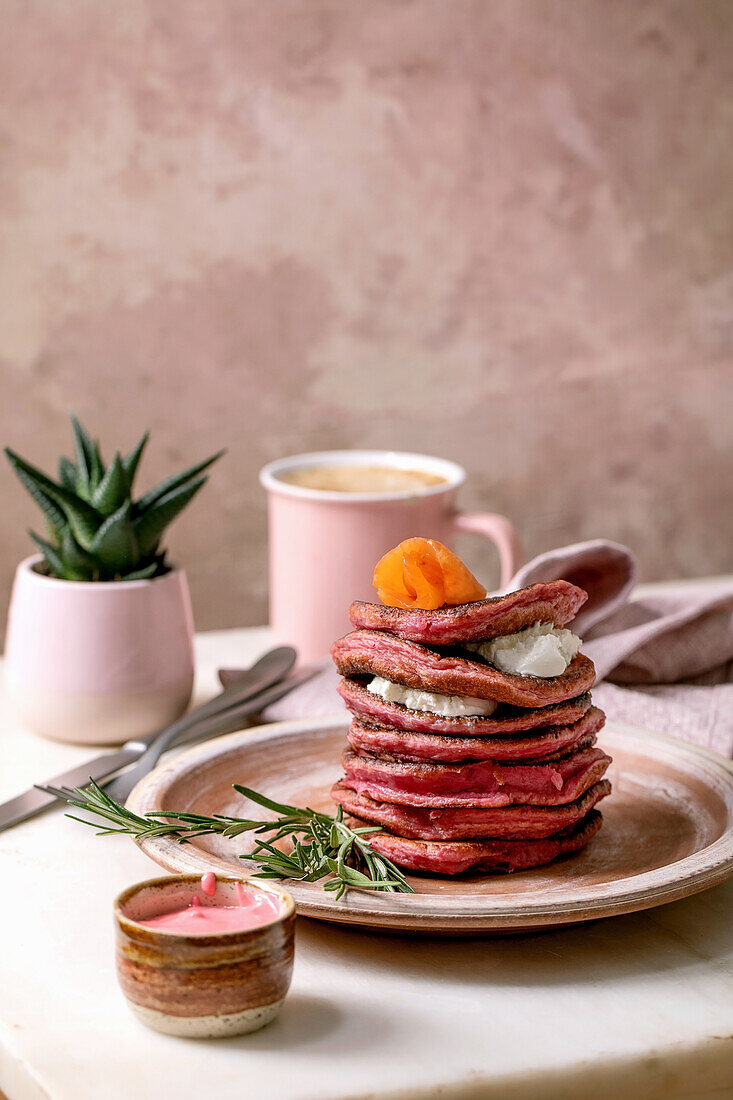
x: 640, y: 1005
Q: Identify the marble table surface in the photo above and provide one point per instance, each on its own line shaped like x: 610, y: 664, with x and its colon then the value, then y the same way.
x: 640, y: 1005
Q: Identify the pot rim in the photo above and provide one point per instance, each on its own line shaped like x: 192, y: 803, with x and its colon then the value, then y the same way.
x: 286, y: 899
x: 26, y: 566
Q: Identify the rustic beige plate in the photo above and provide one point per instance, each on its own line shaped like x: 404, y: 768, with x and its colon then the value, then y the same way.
x: 668, y: 832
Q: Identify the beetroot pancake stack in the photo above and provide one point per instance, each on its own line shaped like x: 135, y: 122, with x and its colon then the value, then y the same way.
x: 473, y: 740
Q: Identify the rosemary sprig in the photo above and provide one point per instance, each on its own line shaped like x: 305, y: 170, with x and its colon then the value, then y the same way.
x: 322, y: 847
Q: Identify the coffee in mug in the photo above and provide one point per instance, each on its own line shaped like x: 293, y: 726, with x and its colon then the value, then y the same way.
x: 361, y: 479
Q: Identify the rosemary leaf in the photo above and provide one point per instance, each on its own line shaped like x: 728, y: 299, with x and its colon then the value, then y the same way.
x: 322, y: 847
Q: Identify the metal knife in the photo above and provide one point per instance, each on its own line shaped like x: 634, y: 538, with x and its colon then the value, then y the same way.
x: 264, y: 673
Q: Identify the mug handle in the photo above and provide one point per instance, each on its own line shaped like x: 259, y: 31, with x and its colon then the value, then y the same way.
x: 502, y: 533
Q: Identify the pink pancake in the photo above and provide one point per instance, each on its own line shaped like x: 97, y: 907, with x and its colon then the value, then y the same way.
x: 556, y: 602
x: 413, y: 665
x: 379, y: 739
x: 507, y: 822
x: 451, y: 857
x: 505, y: 719
x: 482, y: 784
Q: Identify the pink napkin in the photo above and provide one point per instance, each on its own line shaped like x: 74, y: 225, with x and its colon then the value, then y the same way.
x: 664, y: 661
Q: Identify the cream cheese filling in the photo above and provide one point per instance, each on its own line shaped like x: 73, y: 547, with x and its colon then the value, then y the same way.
x: 541, y: 650
x: 449, y: 706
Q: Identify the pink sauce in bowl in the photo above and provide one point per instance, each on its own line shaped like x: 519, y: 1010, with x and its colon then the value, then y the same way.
x: 253, y: 909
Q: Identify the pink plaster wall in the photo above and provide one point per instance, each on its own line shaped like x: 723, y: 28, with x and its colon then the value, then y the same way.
x: 498, y: 231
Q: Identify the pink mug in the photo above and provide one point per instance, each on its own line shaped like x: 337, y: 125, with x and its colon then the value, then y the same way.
x: 323, y: 545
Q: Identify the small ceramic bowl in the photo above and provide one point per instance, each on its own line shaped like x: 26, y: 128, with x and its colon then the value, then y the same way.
x: 202, y: 987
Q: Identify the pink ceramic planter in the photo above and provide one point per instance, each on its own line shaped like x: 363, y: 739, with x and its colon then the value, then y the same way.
x: 98, y: 663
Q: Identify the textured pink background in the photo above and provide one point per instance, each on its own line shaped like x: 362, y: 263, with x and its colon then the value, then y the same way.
x: 498, y: 231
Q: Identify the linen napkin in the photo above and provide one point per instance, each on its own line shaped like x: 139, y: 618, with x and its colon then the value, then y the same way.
x: 663, y: 660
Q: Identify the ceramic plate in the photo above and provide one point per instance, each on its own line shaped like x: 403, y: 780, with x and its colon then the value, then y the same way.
x: 667, y: 833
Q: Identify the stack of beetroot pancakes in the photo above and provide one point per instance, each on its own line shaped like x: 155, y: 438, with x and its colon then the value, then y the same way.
x: 462, y: 764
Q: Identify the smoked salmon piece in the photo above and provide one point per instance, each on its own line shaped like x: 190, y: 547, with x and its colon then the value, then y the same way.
x: 426, y: 574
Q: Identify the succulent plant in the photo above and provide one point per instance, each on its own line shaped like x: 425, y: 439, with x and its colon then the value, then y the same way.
x: 96, y: 531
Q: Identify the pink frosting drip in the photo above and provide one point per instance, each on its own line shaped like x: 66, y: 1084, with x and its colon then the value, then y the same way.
x: 208, y: 884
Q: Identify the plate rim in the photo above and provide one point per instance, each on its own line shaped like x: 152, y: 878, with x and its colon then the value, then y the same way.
x: 698, y: 871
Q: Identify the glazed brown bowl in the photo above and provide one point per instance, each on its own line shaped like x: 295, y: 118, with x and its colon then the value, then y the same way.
x: 228, y: 983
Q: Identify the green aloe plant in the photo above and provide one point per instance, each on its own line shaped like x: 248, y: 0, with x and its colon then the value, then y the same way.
x: 96, y: 531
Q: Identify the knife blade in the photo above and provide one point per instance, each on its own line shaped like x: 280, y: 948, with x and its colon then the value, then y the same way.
x: 265, y: 672
x: 33, y: 801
